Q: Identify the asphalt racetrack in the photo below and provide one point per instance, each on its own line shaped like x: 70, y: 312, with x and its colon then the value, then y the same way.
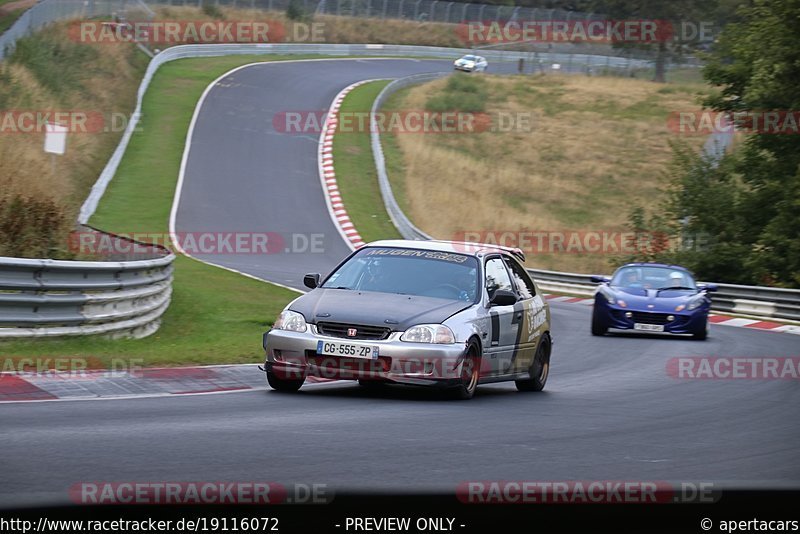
x: 611, y: 409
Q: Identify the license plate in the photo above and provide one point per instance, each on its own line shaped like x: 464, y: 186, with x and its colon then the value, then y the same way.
x: 347, y: 350
x: 649, y: 327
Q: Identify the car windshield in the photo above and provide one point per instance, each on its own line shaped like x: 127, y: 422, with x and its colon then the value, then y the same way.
x: 469, y: 58
x: 408, y: 271
x: 653, y: 278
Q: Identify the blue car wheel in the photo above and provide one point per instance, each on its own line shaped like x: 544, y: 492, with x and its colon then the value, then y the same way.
x: 599, y: 328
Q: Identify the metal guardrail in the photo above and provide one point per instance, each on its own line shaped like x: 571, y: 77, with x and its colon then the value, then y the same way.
x: 755, y: 301
x: 399, y: 219
x: 336, y: 50
x: 49, y: 298
x: 44, y: 298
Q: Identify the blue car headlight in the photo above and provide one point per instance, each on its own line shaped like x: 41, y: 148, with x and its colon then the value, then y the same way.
x: 695, y: 303
x: 609, y: 296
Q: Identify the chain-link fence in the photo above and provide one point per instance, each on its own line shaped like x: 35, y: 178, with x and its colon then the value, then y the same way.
x: 538, y: 57
x: 419, y: 10
x: 47, y: 11
x: 457, y: 13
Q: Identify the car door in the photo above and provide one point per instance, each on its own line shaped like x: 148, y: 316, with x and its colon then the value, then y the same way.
x: 530, y: 313
x: 504, y: 328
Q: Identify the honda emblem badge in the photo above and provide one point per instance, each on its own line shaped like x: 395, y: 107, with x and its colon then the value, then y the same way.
x: 351, y: 332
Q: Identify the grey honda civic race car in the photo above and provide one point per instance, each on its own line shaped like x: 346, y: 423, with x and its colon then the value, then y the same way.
x: 429, y: 313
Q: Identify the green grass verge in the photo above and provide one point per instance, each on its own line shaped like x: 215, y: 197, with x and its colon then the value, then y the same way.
x: 8, y: 20
x: 355, y: 168
x: 215, y: 316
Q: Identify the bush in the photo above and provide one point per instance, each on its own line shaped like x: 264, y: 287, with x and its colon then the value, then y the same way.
x: 212, y: 10
x: 295, y: 11
x: 462, y: 93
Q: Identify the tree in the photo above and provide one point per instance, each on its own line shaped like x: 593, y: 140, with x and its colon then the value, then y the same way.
x: 672, y: 42
x: 750, y: 201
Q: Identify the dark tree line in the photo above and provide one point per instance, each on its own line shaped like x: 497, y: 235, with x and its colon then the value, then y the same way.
x: 739, y: 218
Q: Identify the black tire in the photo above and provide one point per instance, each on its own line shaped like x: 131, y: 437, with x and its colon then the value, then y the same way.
x: 283, y: 385
x: 470, y: 374
x: 598, y: 328
x: 371, y: 384
x: 540, y: 368
x: 703, y: 335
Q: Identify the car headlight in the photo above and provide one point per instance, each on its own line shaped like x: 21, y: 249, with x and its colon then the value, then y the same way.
x: 291, y: 321
x: 695, y: 303
x: 610, y: 297
x: 428, y: 333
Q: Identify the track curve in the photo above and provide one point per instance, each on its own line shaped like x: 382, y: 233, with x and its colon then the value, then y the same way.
x: 610, y: 411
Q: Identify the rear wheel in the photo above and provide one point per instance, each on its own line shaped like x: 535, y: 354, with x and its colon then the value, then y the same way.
x: 598, y: 328
x: 282, y: 384
x: 539, y: 370
x: 470, y: 373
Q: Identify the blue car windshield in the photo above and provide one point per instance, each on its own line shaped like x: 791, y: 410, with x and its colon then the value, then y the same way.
x: 424, y: 273
x: 644, y: 277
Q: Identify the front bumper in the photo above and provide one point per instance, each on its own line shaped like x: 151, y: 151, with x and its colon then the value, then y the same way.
x: 464, y: 68
x: 614, y: 317
x: 293, y: 355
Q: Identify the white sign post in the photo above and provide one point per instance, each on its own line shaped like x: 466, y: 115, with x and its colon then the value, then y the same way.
x: 55, y: 142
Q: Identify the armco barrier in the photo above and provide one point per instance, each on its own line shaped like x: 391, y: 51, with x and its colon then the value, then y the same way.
x: 754, y: 301
x: 45, y: 298
x: 399, y: 219
x: 336, y: 50
x: 50, y: 298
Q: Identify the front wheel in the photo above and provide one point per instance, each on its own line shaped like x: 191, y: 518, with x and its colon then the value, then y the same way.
x: 598, y: 328
x: 539, y: 370
x: 703, y: 334
x: 282, y: 384
x: 470, y: 373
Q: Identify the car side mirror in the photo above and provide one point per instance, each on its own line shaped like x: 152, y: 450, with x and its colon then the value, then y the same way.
x: 503, y: 297
x: 311, y: 281
x: 708, y: 287
x: 597, y: 279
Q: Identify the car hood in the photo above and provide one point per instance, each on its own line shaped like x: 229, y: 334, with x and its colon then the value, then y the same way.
x: 464, y: 62
x: 652, y: 300
x: 398, y: 312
